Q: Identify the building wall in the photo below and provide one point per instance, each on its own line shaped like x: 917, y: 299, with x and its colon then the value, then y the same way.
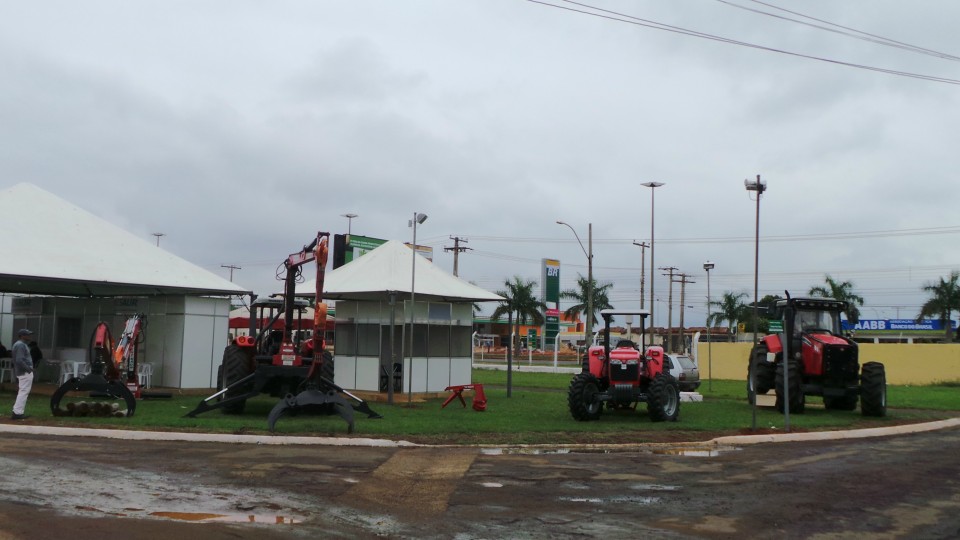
x: 918, y: 363
x: 183, y: 337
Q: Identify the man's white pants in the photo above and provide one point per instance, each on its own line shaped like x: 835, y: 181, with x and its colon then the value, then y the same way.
x: 26, y: 383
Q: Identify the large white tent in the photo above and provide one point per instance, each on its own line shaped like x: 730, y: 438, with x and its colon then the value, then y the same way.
x: 53, y: 247
x: 64, y: 269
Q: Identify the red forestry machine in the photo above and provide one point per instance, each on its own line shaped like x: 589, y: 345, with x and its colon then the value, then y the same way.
x: 113, y: 371
x: 278, y: 363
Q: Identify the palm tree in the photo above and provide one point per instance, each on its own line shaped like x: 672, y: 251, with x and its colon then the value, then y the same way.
x: 600, y: 299
x: 729, y: 308
x: 519, y: 300
x: 944, y: 299
x: 842, y: 291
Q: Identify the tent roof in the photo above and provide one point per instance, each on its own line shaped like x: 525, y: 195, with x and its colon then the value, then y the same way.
x: 52, y: 247
x: 387, y: 269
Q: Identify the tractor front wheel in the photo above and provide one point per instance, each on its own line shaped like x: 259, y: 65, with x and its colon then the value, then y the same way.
x: 760, y: 373
x: 582, y: 397
x: 663, y: 403
x: 797, y: 399
x: 873, y: 389
x: 235, y: 366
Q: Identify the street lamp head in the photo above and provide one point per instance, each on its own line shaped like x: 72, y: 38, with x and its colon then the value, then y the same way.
x: 652, y: 184
x: 757, y: 185
x: 421, y: 218
x: 708, y: 266
x: 349, y: 215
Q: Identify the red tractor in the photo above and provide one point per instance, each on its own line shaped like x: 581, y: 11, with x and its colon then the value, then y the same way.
x: 622, y: 377
x: 822, y: 362
x: 277, y: 362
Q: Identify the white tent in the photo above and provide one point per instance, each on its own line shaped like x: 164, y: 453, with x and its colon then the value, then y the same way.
x: 82, y: 269
x: 53, y: 247
x: 387, y: 269
x: 366, y: 321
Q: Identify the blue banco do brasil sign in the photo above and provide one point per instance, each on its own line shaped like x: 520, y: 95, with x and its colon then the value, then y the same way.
x: 897, y: 325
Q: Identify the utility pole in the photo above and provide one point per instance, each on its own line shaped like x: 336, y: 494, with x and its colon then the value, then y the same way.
x: 643, y: 265
x: 456, y: 249
x: 683, y: 286
x: 670, y: 270
x: 232, y: 268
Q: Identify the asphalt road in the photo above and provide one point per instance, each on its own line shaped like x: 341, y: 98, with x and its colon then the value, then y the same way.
x: 905, y: 486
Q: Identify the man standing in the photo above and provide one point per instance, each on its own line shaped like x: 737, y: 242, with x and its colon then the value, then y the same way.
x: 23, y: 369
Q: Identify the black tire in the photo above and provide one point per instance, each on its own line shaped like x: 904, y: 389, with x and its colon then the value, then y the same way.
x: 663, y: 401
x: 582, y: 397
x: 846, y: 403
x: 759, y: 373
x: 797, y: 399
x: 326, y: 369
x: 873, y: 389
x: 235, y: 366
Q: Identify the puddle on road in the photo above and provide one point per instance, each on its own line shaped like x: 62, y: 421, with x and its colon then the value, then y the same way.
x: 602, y: 500
x: 692, y: 451
x: 523, y: 451
x: 201, y: 517
x: 699, y: 451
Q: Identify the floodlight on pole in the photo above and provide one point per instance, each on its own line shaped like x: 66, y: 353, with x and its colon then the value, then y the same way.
x: 588, y: 323
x: 708, y: 266
x: 760, y: 186
x: 418, y: 219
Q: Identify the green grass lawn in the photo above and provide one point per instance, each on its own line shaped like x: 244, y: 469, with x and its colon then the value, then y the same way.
x: 536, y: 412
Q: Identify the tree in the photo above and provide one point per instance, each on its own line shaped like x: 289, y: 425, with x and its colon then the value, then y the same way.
x: 944, y: 299
x: 729, y: 308
x: 842, y: 291
x: 600, y: 299
x: 519, y: 301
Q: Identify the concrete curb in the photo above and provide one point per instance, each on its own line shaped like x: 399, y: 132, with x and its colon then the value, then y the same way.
x: 200, y: 437
x: 735, y: 440
x: 727, y: 441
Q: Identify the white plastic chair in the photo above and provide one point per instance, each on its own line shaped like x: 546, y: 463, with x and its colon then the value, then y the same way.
x: 6, y: 368
x: 145, y: 375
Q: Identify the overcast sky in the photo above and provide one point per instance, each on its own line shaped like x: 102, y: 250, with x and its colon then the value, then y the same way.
x: 238, y: 129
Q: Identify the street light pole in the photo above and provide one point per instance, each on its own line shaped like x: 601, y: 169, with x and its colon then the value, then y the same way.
x: 652, y: 186
x: 417, y: 219
x: 349, y: 217
x: 588, y: 324
x: 708, y: 266
x: 760, y: 186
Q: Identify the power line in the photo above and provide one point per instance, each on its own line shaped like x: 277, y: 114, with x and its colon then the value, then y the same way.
x: 637, y: 21
x: 844, y: 30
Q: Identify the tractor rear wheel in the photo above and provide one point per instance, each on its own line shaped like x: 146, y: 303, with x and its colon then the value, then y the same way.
x: 235, y: 366
x: 873, y: 389
x: 582, y: 397
x: 663, y: 403
x: 797, y: 399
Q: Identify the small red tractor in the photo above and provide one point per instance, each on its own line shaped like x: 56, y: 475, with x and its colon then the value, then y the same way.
x: 621, y: 377
x: 277, y: 362
x: 822, y: 362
